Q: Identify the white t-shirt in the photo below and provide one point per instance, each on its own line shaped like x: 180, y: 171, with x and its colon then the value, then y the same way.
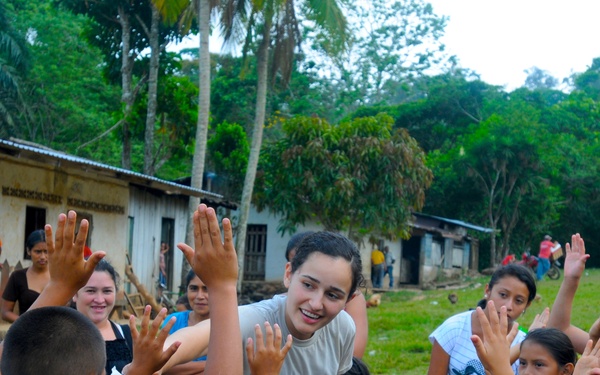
x: 328, y: 351
x: 454, y: 336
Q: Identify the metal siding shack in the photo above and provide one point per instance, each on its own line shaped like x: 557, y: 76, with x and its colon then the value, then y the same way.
x: 457, y: 251
x: 34, y: 176
x: 147, y: 208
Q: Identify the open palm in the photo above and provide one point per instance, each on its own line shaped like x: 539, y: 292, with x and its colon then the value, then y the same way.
x: 576, y: 257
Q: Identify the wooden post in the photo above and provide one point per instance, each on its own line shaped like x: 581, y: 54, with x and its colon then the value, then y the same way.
x: 150, y: 300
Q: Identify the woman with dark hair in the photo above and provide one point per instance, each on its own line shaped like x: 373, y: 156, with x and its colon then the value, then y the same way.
x: 513, y: 287
x: 197, y: 297
x: 24, y: 286
x: 96, y: 300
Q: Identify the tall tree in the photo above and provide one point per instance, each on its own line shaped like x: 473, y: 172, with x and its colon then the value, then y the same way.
x: 204, y: 8
x: 393, y: 43
x: 361, y: 176
x: 14, y: 59
x: 277, y: 17
x: 123, y: 29
x: 60, y: 61
x: 168, y: 12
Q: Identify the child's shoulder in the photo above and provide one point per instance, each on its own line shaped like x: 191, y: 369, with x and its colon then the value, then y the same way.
x: 458, y: 321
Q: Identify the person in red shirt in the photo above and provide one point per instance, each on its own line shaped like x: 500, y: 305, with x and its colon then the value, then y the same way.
x: 510, y: 258
x: 544, y: 257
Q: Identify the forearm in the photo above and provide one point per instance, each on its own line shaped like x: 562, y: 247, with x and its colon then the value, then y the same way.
x: 357, y: 309
x: 54, y: 294
x: 560, y: 314
x: 194, y: 342
x: 190, y: 368
x: 9, y: 316
x: 225, y: 349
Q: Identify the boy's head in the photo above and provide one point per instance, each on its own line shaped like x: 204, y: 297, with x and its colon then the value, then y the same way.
x: 53, y: 340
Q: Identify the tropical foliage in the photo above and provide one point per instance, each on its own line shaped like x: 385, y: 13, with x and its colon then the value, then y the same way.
x: 337, y: 87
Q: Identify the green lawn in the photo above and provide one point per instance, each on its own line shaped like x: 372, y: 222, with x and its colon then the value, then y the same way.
x: 399, y: 327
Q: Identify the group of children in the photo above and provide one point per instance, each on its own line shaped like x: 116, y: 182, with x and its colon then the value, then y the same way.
x: 305, y: 331
x: 487, y: 340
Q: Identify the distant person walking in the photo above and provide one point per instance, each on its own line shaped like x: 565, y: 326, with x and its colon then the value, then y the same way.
x: 389, y: 265
x: 544, y: 257
x: 377, y: 267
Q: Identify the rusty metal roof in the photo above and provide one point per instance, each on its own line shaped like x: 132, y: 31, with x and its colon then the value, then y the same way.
x: 456, y: 222
x: 42, y: 154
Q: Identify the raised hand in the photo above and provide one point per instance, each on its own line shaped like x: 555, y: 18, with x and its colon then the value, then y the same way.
x: 594, y: 331
x: 589, y: 362
x: 214, y: 261
x: 575, y: 257
x: 148, y: 354
x: 68, y: 270
x: 268, y: 357
x: 540, y: 320
x: 493, y: 349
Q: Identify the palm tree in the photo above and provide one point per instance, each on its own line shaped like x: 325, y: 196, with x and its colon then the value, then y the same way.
x: 277, y: 18
x: 202, y: 9
x: 14, y: 61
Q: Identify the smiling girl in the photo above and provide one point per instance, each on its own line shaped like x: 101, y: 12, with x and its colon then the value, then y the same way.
x: 453, y: 353
x: 321, y: 278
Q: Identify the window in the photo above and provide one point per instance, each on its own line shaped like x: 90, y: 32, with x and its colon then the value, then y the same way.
x: 256, y: 251
x: 90, y: 219
x: 35, y: 218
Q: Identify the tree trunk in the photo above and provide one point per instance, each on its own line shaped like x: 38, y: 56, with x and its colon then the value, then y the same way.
x: 259, y: 120
x: 152, y: 90
x: 203, y: 115
x: 126, y: 93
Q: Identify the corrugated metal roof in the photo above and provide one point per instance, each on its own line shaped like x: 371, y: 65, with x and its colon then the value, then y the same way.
x: 458, y: 222
x: 133, y: 177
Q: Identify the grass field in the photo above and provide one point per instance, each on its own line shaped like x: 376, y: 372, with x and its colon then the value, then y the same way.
x: 400, y: 326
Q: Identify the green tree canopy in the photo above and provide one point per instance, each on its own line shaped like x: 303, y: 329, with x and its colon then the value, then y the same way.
x: 361, y: 176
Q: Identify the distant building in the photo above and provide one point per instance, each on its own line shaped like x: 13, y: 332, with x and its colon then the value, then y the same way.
x: 439, y: 248
x: 130, y: 213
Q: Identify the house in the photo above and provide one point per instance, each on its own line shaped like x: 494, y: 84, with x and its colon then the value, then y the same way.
x: 130, y: 214
x: 439, y: 248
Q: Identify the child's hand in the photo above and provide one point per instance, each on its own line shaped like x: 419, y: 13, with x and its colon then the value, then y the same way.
x: 65, y: 257
x: 494, y: 349
x: 69, y: 272
x: 595, y: 331
x: 213, y: 261
x: 148, y: 354
x: 589, y: 363
x: 540, y: 320
x: 268, y: 358
x: 575, y: 257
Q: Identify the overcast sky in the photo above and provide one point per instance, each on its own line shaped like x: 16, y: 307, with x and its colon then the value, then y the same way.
x: 500, y: 39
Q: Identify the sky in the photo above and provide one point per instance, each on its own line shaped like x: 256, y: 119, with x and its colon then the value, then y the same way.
x: 499, y: 40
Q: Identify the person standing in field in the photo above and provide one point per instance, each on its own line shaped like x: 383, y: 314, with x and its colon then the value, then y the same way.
x: 389, y: 265
x: 377, y: 267
x: 544, y: 257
